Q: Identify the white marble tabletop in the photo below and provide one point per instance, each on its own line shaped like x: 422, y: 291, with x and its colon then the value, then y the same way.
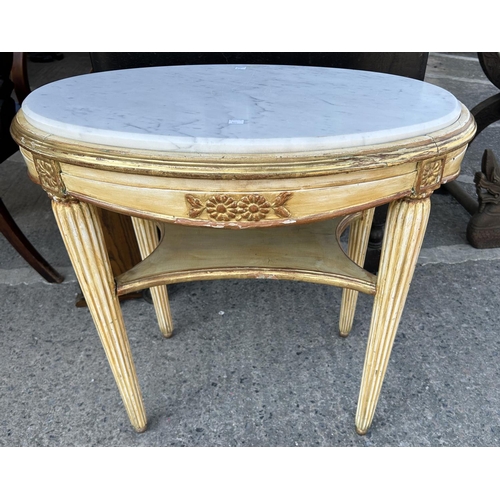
x: 239, y: 109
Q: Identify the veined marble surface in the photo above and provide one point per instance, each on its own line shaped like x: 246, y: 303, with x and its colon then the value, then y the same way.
x: 239, y: 109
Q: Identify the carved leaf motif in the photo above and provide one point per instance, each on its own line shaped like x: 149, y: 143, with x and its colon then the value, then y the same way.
x: 194, y: 212
x: 194, y: 202
x: 281, y: 199
x: 282, y: 212
x: 278, y: 203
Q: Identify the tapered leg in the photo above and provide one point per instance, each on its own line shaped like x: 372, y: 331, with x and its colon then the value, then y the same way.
x: 405, y: 229
x: 147, y: 238
x: 359, y: 234
x: 82, y: 234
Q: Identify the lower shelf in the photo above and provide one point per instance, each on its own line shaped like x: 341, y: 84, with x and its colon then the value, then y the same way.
x: 305, y: 252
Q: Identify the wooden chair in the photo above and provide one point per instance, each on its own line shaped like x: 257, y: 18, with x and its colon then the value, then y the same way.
x: 13, y: 76
x: 120, y: 239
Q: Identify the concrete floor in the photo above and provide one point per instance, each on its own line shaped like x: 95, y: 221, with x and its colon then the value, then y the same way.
x: 258, y: 363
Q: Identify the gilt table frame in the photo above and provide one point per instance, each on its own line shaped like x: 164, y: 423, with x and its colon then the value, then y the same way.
x: 310, y: 197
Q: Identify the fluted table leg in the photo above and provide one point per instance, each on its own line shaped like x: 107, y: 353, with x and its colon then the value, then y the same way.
x: 82, y: 234
x: 405, y: 229
x: 359, y: 234
x: 147, y: 238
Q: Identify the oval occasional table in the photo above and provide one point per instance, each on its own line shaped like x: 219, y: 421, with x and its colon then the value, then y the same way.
x: 243, y: 172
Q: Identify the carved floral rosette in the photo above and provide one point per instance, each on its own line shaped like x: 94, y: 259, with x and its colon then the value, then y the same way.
x: 49, y: 174
x: 429, y: 177
x: 248, y: 207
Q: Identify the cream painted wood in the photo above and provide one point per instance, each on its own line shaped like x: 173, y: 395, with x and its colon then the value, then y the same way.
x: 146, y: 232
x: 156, y: 185
x: 404, y: 233
x: 359, y: 234
x: 306, y: 252
x: 260, y: 215
x: 82, y: 234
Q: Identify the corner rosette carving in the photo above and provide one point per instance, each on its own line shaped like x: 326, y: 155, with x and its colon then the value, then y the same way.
x: 49, y: 175
x: 250, y: 207
x: 431, y: 174
x: 429, y: 177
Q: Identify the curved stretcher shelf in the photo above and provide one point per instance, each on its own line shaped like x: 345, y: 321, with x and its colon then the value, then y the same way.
x: 305, y: 252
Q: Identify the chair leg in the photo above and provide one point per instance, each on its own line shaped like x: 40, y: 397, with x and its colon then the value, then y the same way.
x: 16, y: 238
x: 372, y: 259
x: 82, y: 234
x: 147, y: 237
x: 406, y: 223
x: 359, y: 234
